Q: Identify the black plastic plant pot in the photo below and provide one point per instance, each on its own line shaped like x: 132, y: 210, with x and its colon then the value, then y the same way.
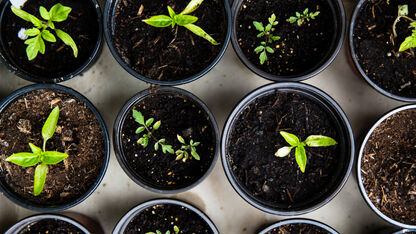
x: 318, y: 227
x: 173, y: 62
x: 372, y: 150
x: 302, y: 51
x: 58, y: 63
x: 191, y: 217
x: 69, y: 182
x: 180, y: 113
x: 252, y: 136
x: 375, y: 57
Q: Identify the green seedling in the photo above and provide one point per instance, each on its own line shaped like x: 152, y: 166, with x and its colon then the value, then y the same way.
x: 175, y: 231
x: 40, y: 31
x: 294, y: 142
x: 410, y: 41
x: 302, y: 18
x: 267, y: 34
x: 183, y: 153
x: 40, y: 156
x: 181, y: 19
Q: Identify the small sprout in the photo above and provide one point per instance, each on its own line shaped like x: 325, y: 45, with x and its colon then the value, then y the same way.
x: 181, y: 19
x: 40, y: 32
x: 183, y: 153
x: 39, y: 155
x: 410, y: 41
x: 301, y: 18
x: 175, y: 231
x: 268, y: 37
x: 294, y: 142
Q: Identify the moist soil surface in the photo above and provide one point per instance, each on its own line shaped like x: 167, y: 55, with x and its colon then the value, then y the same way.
x: 78, y: 134
x: 300, y: 49
x: 164, y: 217
x: 300, y: 228
x: 255, y: 138
x: 389, y: 167
x: 377, y: 55
x: 178, y: 115
x: 50, y: 226
x: 58, y: 60
x: 167, y: 54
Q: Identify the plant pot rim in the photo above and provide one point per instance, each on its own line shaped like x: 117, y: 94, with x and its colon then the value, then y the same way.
x: 357, y: 65
x: 359, y: 158
x: 315, y: 92
x: 39, y: 79
x: 16, y: 228
x: 124, y: 221
x: 120, y: 121
x: 405, y: 231
x: 296, y: 221
x: 108, y: 13
x: 21, y: 202
x: 338, y: 42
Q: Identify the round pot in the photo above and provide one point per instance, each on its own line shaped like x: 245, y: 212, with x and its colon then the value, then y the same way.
x: 359, y: 169
x: 52, y: 208
x: 109, y: 11
x: 336, y: 45
x: 298, y: 221
x: 118, y: 144
x: 346, y: 153
x: 125, y: 220
x: 357, y: 66
x: 13, y: 67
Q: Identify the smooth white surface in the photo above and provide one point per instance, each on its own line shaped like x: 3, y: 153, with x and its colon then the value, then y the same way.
x: 108, y: 86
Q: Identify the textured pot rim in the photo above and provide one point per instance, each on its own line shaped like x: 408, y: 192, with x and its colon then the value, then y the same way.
x: 38, y: 79
x: 320, y: 95
x: 118, y: 144
x: 338, y: 42
x: 296, y: 221
x: 359, y: 163
x: 108, y: 13
x: 21, y: 202
x: 124, y: 221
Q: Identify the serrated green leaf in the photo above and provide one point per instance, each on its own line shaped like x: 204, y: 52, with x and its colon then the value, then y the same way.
x: 260, y: 34
x: 26, y: 16
x: 200, y: 32
x: 258, y: 25
x: 284, y: 151
x: 53, y: 157
x: 35, y: 45
x: 149, y: 122
x: 192, y: 6
x: 138, y: 117
x: 301, y: 157
x: 156, y: 125
x: 32, y: 32
x: 183, y: 20
x: 263, y: 57
x: 168, y: 148
x: 270, y: 50
x: 140, y: 129
x: 49, y: 127
x: 36, y: 150
x: 409, y: 42
x: 290, y: 138
x: 59, y: 13
x: 268, y: 27
x: 162, y: 140
x: 24, y: 159
x: 39, y: 179
x: 67, y: 39
x: 180, y: 139
x: 195, y: 155
x: 272, y: 18
x: 298, y: 14
x: 48, y: 36
x: 44, y: 13
x: 306, y: 11
x: 292, y: 19
x: 159, y: 21
x: 318, y: 141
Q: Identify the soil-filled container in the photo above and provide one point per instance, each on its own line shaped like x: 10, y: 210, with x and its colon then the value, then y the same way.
x: 386, y: 167
x: 74, y: 156
x: 170, y: 55
x: 173, y: 146
x: 287, y: 40
x: 298, y: 226
x: 165, y: 215
x: 63, y: 46
x: 375, y: 48
x: 255, y: 134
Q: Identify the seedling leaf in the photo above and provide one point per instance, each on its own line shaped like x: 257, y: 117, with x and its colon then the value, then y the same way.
x: 318, y: 141
x: 290, y: 138
x: 53, y: 157
x: 191, y: 7
x: 39, y: 179
x: 183, y: 20
x: 159, y: 21
x: 301, y: 157
x: 50, y: 124
x: 284, y: 151
x: 200, y: 32
x: 59, y: 13
x: 24, y: 159
x: 138, y: 117
x: 67, y: 39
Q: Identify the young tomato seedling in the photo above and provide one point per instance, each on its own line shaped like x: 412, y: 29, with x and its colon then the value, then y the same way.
x: 301, y: 18
x: 268, y: 37
x: 183, y: 153
x: 39, y: 155
x: 181, y: 19
x: 40, y: 32
x: 294, y: 142
x: 175, y: 231
x: 410, y: 41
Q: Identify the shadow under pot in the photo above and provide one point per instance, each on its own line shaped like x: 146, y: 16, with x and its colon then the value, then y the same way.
x: 166, y: 140
x: 54, y: 147
x: 376, y: 49
x: 386, y: 167
x: 287, y: 148
x: 54, y: 50
x: 298, y: 226
x: 287, y: 40
x: 165, y: 54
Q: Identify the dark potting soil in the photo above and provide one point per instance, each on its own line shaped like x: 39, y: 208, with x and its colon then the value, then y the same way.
x: 377, y: 55
x: 167, y: 54
x: 300, y: 49
x: 164, y: 217
x: 51, y: 226
x: 388, y: 167
x: 78, y: 134
x: 178, y: 115
x: 255, y: 138
x: 58, y: 60
x: 299, y: 228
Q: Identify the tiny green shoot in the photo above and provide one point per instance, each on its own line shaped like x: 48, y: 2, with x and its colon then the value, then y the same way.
x: 181, y: 19
x: 300, y: 153
x: 268, y: 37
x: 39, y: 155
x: 175, y: 231
x: 410, y: 41
x: 183, y: 153
x: 302, y: 18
